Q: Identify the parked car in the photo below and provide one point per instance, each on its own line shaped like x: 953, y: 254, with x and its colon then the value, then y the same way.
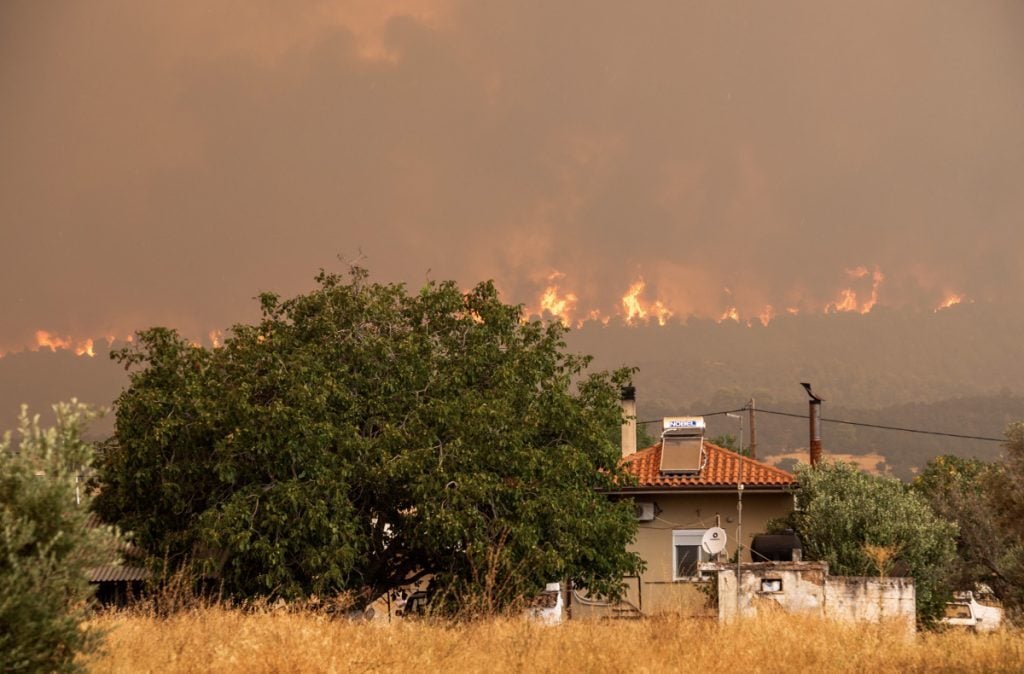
x: 965, y: 612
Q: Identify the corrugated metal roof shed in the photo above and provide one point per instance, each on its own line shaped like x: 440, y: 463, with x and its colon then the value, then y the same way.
x: 112, y: 573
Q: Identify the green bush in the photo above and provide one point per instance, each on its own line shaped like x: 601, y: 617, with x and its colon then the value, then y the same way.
x: 46, y: 548
x: 867, y: 525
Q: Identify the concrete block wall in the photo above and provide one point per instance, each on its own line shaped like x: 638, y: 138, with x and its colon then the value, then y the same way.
x: 806, y: 588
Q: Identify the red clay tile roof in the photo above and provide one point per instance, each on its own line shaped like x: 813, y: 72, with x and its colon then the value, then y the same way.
x: 722, y: 469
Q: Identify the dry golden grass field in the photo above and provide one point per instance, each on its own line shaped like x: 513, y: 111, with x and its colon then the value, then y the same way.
x: 226, y: 640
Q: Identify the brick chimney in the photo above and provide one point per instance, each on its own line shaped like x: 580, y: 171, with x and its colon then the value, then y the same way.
x: 628, y: 421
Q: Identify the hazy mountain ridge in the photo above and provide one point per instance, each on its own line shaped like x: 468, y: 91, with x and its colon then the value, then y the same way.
x: 871, y: 361
x: 958, y: 371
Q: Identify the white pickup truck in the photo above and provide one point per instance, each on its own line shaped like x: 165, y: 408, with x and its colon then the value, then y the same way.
x: 965, y: 611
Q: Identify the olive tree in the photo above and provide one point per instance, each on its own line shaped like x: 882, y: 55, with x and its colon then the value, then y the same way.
x: 46, y: 548
x: 361, y: 436
x: 849, y: 519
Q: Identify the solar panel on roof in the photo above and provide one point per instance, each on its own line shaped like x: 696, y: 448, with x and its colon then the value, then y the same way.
x: 682, y: 445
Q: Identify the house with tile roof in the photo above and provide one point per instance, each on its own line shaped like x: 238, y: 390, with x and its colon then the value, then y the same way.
x: 684, y: 487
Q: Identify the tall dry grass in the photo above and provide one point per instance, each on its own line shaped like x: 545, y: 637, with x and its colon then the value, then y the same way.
x: 218, y: 639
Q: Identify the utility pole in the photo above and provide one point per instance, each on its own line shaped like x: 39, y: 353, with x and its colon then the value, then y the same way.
x: 753, y: 429
x: 739, y: 537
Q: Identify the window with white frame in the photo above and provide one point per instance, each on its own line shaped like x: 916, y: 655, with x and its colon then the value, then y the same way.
x: 687, y: 554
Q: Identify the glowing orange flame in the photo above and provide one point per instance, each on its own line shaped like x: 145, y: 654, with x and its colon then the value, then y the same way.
x: 85, y: 349
x: 847, y: 298
x: 661, y: 312
x: 847, y: 301
x: 216, y: 338
x: 952, y: 299
x: 559, y: 306
x: 730, y: 314
x: 635, y: 309
x: 555, y: 302
x: 876, y: 282
x: 631, y: 305
x: 45, y: 339
x: 766, y: 315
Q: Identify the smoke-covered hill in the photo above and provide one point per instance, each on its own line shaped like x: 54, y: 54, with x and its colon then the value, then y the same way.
x: 960, y: 370
x: 871, y: 361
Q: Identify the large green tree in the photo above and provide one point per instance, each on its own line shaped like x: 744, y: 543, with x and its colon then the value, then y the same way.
x: 846, y: 517
x: 360, y: 436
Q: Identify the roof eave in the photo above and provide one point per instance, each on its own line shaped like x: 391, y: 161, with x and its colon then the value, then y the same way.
x: 702, y: 489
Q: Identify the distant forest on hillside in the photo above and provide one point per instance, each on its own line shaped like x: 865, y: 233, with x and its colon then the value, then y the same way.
x: 960, y: 370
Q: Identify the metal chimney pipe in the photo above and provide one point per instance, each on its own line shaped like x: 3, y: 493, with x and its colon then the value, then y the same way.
x: 814, y: 414
x: 628, y: 421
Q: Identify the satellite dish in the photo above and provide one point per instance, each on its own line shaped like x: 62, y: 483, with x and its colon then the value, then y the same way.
x: 713, y: 540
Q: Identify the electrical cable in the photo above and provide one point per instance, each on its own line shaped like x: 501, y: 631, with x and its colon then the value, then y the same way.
x: 706, y: 414
x: 761, y: 410
x: 883, y: 427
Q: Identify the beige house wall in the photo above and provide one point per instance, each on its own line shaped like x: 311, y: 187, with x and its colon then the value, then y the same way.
x: 655, y: 591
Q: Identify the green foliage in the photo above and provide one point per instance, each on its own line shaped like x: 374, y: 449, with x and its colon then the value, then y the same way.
x: 842, y: 514
x: 644, y: 437
x: 360, y: 436
x: 985, y: 500
x: 726, y: 440
x: 960, y: 490
x: 45, y: 546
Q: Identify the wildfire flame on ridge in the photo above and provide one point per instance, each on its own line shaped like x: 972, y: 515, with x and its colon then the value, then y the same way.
x: 635, y: 308
x: 846, y: 300
x: 951, y: 300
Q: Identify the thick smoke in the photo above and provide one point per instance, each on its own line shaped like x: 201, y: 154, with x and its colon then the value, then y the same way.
x: 164, y: 162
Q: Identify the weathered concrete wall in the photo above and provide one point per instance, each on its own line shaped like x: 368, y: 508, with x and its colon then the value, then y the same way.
x: 871, y: 599
x: 806, y: 588
x: 801, y: 589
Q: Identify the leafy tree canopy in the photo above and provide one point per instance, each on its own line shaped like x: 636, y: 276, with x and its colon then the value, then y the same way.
x: 848, y: 518
x: 360, y: 436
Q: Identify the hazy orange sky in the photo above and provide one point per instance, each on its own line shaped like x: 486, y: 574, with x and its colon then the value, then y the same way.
x: 164, y: 162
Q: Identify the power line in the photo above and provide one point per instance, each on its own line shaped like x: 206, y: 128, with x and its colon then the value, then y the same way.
x: 706, y: 414
x: 848, y: 423
x: 885, y: 428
